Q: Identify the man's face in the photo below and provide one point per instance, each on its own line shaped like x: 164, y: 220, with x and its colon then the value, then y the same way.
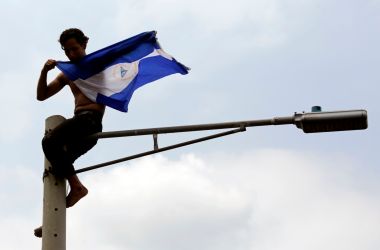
x: 74, y: 50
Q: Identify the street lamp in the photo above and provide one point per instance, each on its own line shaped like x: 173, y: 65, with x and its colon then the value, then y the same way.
x: 316, y: 122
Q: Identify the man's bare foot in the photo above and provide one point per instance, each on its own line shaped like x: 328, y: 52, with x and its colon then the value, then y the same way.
x: 38, y: 232
x: 77, y: 191
x: 75, y: 195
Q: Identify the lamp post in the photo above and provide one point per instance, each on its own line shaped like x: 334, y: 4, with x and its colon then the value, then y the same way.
x: 53, y: 230
x: 54, y: 215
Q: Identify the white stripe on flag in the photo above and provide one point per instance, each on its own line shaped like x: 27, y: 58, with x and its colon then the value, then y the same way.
x: 113, y: 79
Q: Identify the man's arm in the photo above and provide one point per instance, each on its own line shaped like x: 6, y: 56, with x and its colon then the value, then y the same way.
x: 44, y: 90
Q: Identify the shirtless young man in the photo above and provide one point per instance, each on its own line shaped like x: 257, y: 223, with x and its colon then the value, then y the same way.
x: 64, y: 144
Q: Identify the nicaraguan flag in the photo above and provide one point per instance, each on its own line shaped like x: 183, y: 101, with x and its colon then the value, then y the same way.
x: 111, y: 75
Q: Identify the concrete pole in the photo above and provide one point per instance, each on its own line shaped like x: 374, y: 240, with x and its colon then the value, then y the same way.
x: 54, y: 202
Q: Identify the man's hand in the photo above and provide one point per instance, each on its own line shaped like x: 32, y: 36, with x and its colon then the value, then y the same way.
x: 49, y: 65
x: 45, y: 90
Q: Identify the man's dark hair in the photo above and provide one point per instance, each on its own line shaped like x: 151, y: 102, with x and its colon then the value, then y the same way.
x: 75, y: 33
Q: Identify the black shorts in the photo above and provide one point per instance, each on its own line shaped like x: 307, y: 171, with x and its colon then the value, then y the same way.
x: 68, y: 141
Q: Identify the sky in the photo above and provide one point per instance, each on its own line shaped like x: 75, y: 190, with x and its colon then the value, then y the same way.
x: 268, y: 188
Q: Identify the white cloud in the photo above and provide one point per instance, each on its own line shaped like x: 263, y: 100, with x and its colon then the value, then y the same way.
x: 272, y: 199
x: 242, y: 24
x: 21, y: 200
x: 15, y: 109
x: 16, y: 182
x: 17, y: 233
x: 167, y: 202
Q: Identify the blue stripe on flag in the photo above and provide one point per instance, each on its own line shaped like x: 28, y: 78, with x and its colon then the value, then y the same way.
x: 91, y: 64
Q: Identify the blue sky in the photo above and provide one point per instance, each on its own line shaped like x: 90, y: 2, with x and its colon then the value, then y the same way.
x: 267, y: 188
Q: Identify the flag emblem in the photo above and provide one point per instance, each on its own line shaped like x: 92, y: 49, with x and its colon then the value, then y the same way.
x: 122, y: 72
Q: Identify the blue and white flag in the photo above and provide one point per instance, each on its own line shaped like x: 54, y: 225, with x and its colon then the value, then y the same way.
x: 110, y: 76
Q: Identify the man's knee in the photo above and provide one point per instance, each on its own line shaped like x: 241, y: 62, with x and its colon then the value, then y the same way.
x: 49, y: 143
x: 45, y: 141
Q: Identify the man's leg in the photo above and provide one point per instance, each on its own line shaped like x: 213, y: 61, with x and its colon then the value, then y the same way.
x: 63, y: 145
x: 77, y: 191
x: 77, y: 148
